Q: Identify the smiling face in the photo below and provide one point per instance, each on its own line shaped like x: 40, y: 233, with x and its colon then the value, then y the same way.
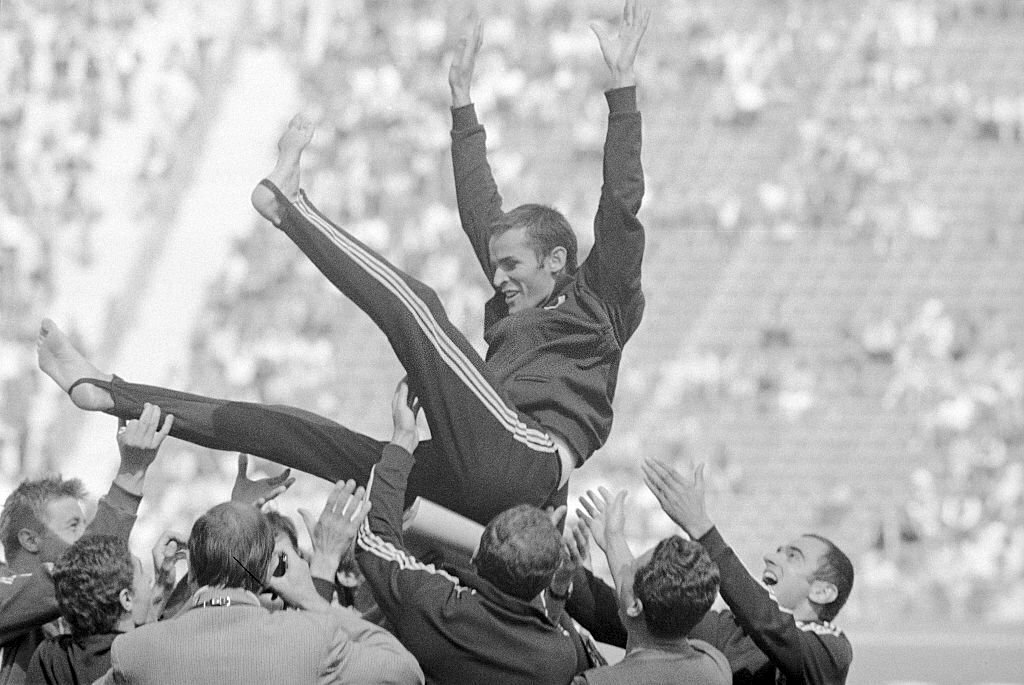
x: 524, y: 278
x: 789, y: 572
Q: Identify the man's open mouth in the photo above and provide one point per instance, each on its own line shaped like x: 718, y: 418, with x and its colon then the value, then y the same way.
x: 769, y: 577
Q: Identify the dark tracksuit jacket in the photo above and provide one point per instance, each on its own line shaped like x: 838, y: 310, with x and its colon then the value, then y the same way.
x: 559, y: 362
x: 459, y: 627
x: 27, y: 600
x: 764, y: 644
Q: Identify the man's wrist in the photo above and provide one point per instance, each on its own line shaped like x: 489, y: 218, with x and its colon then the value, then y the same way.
x: 407, y: 440
x: 312, y: 601
x: 324, y: 566
x: 698, y: 528
x: 623, y: 79
x: 460, y: 97
x: 131, y: 480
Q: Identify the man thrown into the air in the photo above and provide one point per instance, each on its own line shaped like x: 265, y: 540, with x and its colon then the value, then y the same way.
x: 505, y: 431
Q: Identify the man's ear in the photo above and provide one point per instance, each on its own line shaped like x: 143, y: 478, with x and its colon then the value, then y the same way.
x: 29, y: 540
x: 555, y: 261
x: 635, y: 608
x: 125, y: 598
x: 823, y: 592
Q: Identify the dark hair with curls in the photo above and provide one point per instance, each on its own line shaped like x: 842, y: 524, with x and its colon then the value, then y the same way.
x: 26, y: 507
x: 546, y: 227
x: 88, y: 579
x: 677, y: 587
x: 836, y: 568
x: 231, y: 545
x: 520, y: 549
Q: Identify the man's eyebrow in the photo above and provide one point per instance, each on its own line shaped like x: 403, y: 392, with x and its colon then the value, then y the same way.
x: 794, y: 548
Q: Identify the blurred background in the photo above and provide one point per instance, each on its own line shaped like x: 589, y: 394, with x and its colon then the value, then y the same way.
x: 834, y: 270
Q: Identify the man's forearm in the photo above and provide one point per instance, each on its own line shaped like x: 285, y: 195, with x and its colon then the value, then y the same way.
x: 115, y: 513
x: 619, y: 559
x: 387, y: 492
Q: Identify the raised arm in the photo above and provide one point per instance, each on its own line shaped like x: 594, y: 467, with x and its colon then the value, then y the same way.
x: 774, y: 631
x: 27, y: 599
x: 394, y: 575
x: 476, y: 193
x: 138, y: 441
x: 613, y: 267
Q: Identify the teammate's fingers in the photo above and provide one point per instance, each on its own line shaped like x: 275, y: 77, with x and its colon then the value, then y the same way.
x: 307, y: 518
x: 165, y: 430
x: 279, y: 478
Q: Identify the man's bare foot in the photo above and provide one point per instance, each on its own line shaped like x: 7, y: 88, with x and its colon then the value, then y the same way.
x: 59, y: 360
x: 286, y: 172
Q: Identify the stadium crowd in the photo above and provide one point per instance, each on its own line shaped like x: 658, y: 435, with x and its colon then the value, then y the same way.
x: 77, y: 79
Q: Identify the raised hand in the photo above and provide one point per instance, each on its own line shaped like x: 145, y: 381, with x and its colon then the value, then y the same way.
x: 575, y: 555
x: 460, y: 73
x: 138, y: 441
x: 295, y: 586
x: 604, y: 515
x: 682, y: 498
x: 332, y: 534
x: 404, y: 409
x: 258, y: 492
x: 170, y: 548
x: 605, y: 518
x: 620, y: 52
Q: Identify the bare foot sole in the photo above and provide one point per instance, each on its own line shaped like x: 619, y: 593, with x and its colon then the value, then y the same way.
x: 59, y: 360
x: 286, y: 172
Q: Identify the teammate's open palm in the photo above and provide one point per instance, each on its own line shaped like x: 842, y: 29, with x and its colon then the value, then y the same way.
x: 339, y: 522
x: 460, y: 74
x: 604, y: 515
x: 620, y: 52
x: 681, y: 497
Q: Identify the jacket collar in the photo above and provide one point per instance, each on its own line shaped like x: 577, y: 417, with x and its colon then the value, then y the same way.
x: 215, y: 596
x: 511, y: 608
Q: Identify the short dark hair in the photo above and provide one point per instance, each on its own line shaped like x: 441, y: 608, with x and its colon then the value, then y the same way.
x: 836, y: 568
x: 231, y: 545
x: 677, y: 587
x: 26, y: 506
x: 88, y: 579
x: 520, y: 549
x: 547, y: 229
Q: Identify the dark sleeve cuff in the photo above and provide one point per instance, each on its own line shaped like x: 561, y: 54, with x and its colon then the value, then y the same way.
x: 119, y: 498
x: 621, y: 99
x: 714, y: 543
x: 464, y: 117
x: 394, y: 455
x: 324, y: 588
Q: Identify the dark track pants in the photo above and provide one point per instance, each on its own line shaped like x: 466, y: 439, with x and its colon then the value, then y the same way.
x: 484, y: 456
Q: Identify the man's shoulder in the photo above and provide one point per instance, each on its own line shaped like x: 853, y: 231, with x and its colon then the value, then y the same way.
x: 826, y: 632
x: 830, y: 638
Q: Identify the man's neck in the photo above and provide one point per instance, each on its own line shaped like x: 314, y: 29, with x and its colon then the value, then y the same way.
x: 641, y: 639
x: 25, y: 562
